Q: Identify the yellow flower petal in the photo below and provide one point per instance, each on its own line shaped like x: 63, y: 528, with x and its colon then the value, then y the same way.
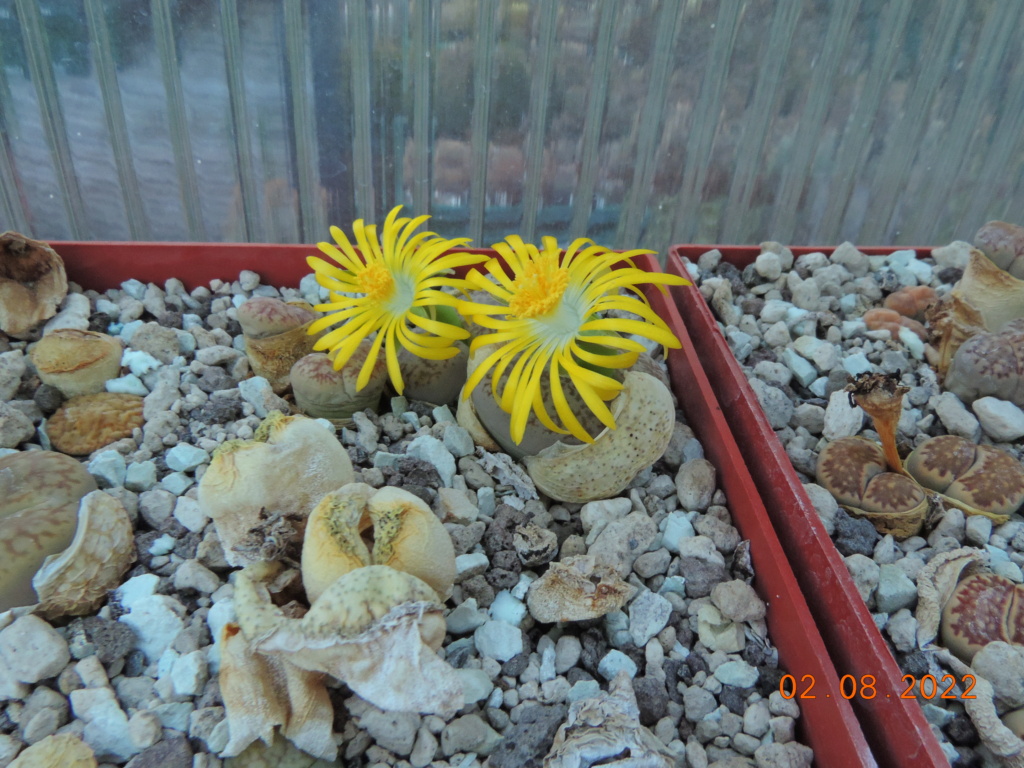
x: 663, y: 337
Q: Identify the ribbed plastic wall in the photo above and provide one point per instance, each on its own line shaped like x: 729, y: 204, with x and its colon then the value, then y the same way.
x: 635, y: 122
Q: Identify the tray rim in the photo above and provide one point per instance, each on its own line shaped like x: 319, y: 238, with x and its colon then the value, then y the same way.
x: 855, y: 642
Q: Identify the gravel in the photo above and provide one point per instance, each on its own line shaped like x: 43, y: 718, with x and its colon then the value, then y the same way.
x: 138, y: 679
x: 796, y: 327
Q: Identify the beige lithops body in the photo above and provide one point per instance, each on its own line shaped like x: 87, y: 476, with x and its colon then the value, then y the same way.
x: 77, y: 362
x: 402, y: 530
x: 275, y: 336
x: 289, y: 466
x: 59, y: 750
x: 375, y: 629
x: 40, y: 493
x: 985, y: 479
x: 32, y: 283
x: 854, y: 471
x: 88, y: 422
x: 321, y: 391
x: 576, y: 589
x: 644, y: 416
x: 77, y: 580
x: 989, y: 364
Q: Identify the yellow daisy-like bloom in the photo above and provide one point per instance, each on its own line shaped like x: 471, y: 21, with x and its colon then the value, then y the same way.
x: 552, y: 320
x: 391, y: 287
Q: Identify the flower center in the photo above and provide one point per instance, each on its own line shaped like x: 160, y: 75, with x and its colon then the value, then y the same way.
x: 538, y: 290
x: 376, y: 282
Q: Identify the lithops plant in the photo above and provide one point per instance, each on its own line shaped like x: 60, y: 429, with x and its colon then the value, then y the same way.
x: 434, y: 381
x: 40, y: 493
x: 276, y: 336
x: 605, y: 730
x: 400, y: 528
x: 1003, y: 243
x: 32, y: 283
x: 577, y: 588
x: 871, y: 480
x: 77, y: 362
x: 884, y: 319
x: 854, y: 471
x: 979, y: 479
x: 375, y: 629
x: 990, y: 365
x: 282, y: 473
x: 321, y: 391
x: 644, y: 416
x: 86, y: 423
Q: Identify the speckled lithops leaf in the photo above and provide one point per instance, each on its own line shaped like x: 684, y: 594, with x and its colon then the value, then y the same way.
x: 88, y: 422
x: 644, y: 417
x: 39, y: 496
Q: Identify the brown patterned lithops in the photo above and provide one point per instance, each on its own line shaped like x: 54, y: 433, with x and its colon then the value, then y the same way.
x: 39, y: 496
x: 275, y: 336
x: 978, y: 478
x: 375, y: 629
x: 280, y: 475
x: 88, y: 422
x: 77, y: 362
x: 854, y: 471
x: 644, y: 417
x: 400, y: 529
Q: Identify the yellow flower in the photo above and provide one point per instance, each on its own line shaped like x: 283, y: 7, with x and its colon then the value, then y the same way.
x: 390, y: 287
x: 552, y: 319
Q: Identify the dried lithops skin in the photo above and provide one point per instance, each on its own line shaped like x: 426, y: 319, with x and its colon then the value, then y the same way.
x: 433, y: 381
x: 576, y: 589
x: 275, y: 336
x: 60, y: 750
x: 374, y: 629
x: 87, y: 423
x: 466, y: 417
x: 854, y: 471
x: 605, y: 730
x: 32, y: 283
x: 997, y: 295
x: 983, y: 607
x: 534, y: 545
x: 644, y: 417
x: 986, y: 479
x: 76, y: 581
x: 952, y: 321
x: 77, y: 362
x: 39, y: 496
x: 287, y: 468
x: 989, y: 364
x: 323, y: 392
x: 262, y: 692
x: 281, y: 754
x: 1003, y: 243
x: 935, y: 585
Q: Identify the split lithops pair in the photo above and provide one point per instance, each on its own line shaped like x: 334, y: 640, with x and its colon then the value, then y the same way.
x: 870, y: 480
x: 394, y: 294
x: 555, y: 359
x: 275, y: 336
x: 66, y: 543
x: 259, y: 492
x: 376, y: 566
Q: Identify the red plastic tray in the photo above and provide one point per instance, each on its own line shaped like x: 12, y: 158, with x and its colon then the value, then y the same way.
x: 896, y: 728
x: 828, y: 723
